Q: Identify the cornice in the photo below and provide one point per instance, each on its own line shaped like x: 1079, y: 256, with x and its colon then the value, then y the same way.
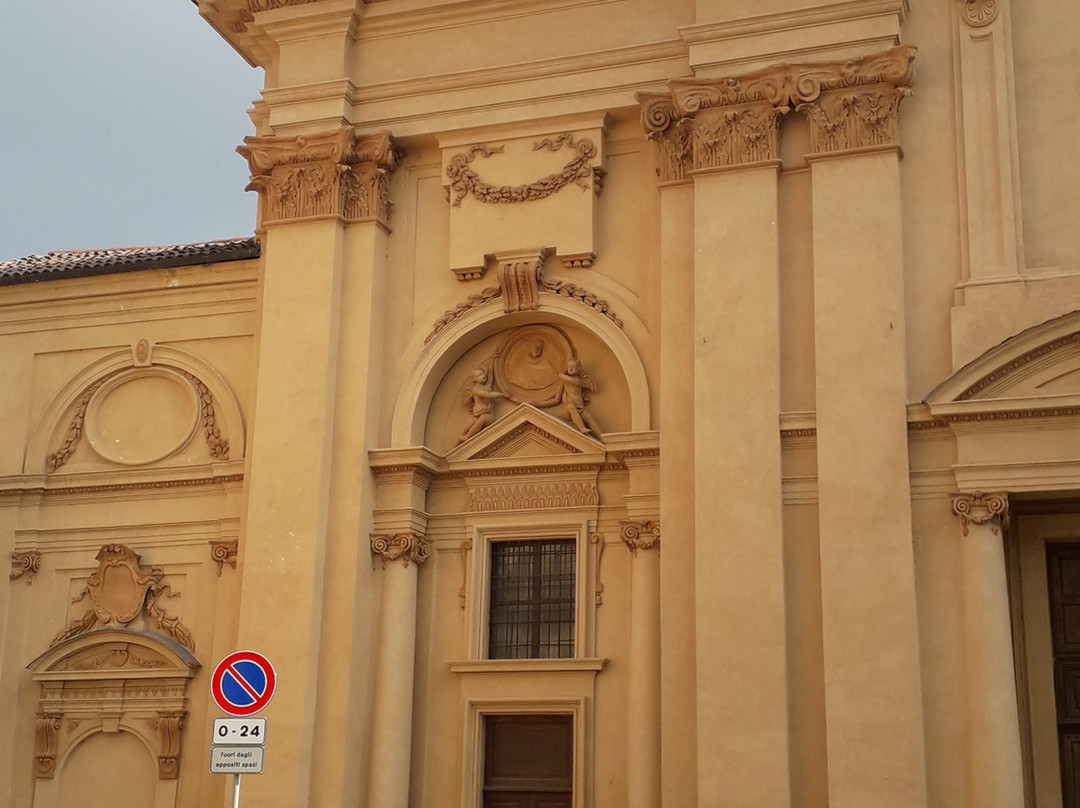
x: 404, y: 17
x: 110, y: 482
x: 793, y: 20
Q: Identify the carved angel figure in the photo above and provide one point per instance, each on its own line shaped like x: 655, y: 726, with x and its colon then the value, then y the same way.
x: 479, y: 397
x: 574, y: 397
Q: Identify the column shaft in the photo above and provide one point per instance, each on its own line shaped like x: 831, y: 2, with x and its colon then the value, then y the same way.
x: 741, y: 651
x: 391, y: 726
x: 643, y: 720
x: 996, y: 768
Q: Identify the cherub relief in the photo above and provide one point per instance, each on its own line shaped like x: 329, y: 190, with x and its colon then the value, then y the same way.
x: 479, y: 397
x: 574, y: 397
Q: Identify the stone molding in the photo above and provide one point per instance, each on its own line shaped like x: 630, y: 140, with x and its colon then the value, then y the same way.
x: 407, y: 547
x: 598, y: 584
x: 335, y: 174
x: 532, y: 495
x: 709, y: 124
x: 979, y: 508
x: 120, y: 590
x: 464, y: 180
x: 562, y: 288
x: 25, y: 562
x: 640, y: 535
x: 118, y: 679
x: 224, y: 552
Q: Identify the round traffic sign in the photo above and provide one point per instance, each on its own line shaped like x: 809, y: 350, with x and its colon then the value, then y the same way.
x: 243, y: 683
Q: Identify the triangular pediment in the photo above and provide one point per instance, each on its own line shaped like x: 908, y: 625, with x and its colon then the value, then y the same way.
x: 526, y: 433
x: 1037, y: 368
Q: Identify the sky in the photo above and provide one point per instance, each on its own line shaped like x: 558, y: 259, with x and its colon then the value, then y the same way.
x: 118, y: 125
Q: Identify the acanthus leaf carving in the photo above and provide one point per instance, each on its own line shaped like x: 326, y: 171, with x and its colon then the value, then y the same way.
x: 119, y: 591
x: 732, y: 121
x: 465, y: 181
x: 335, y: 173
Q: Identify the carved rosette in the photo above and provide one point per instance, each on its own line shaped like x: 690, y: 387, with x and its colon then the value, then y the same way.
x: 734, y: 121
x: 405, y: 547
x: 979, y: 13
x: 25, y: 562
x: 638, y: 535
x: 333, y: 174
x: 980, y: 508
x: 46, y: 734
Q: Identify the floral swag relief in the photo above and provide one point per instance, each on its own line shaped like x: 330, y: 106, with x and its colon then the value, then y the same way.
x: 120, y: 590
x: 465, y: 181
x: 535, y: 365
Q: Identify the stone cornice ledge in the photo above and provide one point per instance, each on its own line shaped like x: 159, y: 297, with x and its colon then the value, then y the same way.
x: 838, y: 29
x: 123, y: 480
x: 474, y: 666
x: 1007, y: 408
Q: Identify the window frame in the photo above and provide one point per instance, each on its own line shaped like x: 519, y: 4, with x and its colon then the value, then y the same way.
x: 478, y: 589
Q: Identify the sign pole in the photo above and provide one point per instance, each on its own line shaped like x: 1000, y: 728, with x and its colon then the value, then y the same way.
x: 236, y: 791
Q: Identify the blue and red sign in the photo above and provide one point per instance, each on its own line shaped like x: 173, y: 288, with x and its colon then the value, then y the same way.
x: 243, y: 683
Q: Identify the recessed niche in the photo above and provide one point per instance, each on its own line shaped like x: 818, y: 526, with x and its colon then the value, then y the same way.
x: 142, y: 416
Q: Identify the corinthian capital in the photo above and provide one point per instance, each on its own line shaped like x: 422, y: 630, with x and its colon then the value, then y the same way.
x: 979, y: 508
x: 638, y: 535
x: 404, y: 546
x: 330, y: 174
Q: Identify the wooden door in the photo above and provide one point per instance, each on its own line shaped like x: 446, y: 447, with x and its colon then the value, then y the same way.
x: 1063, y: 571
x: 528, y: 761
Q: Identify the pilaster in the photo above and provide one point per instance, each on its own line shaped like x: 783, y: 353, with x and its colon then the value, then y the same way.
x: 724, y: 136
x: 870, y: 632
x: 994, y: 756
x: 324, y: 207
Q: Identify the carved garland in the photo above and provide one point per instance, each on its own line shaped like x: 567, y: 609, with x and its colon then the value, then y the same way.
x: 563, y: 288
x: 598, y: 540
x: 465, y: 181
x: 25, y: 562
x: 404, y: 546
x: 219, y: 446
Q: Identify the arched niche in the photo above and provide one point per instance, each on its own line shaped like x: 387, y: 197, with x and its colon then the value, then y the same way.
x: 198, y: 417
x: 110, y: 681
x: 449, y: 346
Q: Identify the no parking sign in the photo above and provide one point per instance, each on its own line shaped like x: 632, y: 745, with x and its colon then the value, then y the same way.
x: 243, y: 683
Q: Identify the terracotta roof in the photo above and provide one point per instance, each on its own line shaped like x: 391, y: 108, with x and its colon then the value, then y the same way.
x: 81, y: 263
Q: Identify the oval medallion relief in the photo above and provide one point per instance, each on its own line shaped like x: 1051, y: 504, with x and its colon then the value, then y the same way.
x: 142, y: 415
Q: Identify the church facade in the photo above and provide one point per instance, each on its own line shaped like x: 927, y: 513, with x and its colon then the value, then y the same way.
x: 621, y: 403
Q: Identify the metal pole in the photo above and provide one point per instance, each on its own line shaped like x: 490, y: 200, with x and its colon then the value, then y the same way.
x: 236, y: 791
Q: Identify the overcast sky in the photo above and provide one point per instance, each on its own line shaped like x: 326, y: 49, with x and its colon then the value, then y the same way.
x: 118, y: 121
